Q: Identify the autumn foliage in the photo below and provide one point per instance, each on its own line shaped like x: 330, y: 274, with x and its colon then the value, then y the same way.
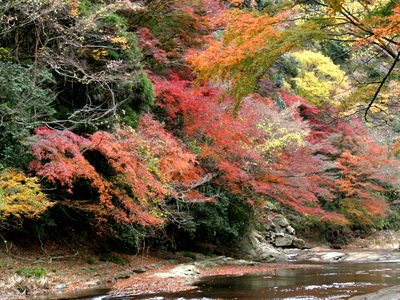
x: 251, y: 117
x: 21, y: 195
x: 148, y: 164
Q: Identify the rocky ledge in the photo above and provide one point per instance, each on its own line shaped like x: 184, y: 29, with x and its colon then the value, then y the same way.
x: 192, y: 269
x: 392, y: 293
x: 321, y: 255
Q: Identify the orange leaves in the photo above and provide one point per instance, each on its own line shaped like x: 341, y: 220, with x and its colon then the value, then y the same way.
x: 251, y: 42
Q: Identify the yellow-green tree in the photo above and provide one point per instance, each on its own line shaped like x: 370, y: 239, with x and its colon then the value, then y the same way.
x: 21, y: 195
x: 319, y: 80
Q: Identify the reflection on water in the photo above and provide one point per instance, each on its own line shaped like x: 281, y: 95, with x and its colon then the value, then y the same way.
x: 332, y: 281
x: 89, y: 293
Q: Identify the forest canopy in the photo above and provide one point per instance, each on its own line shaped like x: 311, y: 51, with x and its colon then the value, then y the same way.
x: 191, y: 118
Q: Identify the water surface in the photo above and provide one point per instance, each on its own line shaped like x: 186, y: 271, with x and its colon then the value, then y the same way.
x: 337, y: 280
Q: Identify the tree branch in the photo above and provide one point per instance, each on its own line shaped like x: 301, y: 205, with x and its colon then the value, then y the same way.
x: 380, y: 86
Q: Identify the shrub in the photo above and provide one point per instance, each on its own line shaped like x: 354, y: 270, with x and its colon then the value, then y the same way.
x: 204, y: 252
x: 113, y: 258
x: 90, y: 261
x: 191, y: 255
x: 34, y: 272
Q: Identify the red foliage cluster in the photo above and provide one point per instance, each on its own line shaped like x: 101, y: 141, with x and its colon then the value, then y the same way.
x: 149, y: 164
x: 294, y: 156
x: 229, y: 145
x: 334, y: 159
x: 362, y: 166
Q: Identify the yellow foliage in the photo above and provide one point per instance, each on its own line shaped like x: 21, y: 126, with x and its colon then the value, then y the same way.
x: 280, y: 138
x: 21, y: 195
x: 121, y: 40
x: 74, y: 7
x: 358, y: 9
x: 319, y: 80
x: 99, y: 53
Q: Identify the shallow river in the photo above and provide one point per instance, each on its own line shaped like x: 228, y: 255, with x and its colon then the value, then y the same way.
x: 333, y: 281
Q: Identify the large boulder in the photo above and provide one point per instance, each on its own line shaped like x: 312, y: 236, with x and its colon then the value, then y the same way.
x: 283, y: 241
x: 280, y: 221
x: 299, y: 243
x: 179, y: 271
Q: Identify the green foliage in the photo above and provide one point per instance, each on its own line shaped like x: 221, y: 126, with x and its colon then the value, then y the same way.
x: 129, y: 236
x: 87, y: 7
x: 204, y: 252
x: 117, y: 21
x: 337, y: 51
x: 90, y: 261
x: 33, y: 272
x: 386, y: 10
x: 358, y: 216
x: 223, y: 223
x: 145, y: 87
x: 392, y: 219
x: 190, y: 255
x: 141, y: 99
x: 114, y: 259
x: 5, y: 54
x: 25, y: 103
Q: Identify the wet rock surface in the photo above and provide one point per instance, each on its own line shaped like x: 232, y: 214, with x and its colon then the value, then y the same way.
x: 193, y: 269
x: 346, y: 256
x: 392, y: 293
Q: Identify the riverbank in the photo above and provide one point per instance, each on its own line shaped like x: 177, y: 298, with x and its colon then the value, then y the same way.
x: 61, y: 269
x: 140, y: 273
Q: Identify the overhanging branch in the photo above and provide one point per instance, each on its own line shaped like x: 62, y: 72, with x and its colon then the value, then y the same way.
x: 381, y: 85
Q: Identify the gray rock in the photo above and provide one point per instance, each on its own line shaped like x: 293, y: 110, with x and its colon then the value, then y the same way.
x: 172, y: 261
x: 280, y: 230
x: 291, y: 230
x: 393, y: 256
x: 139, y: 270
x: 308, y: 246
x: 179, y: 271
x: 280, y: 221
x: 366, y: 256
x: 185, y: 259
x: 123, y: 276
x: 206, y: 264
x: 242, y: 262
x: 283, y: 241
x: 156, y: 265
x: 265, y: 257
x: 299, y: 243
x: 251, y: 253
x: 330, y: 256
